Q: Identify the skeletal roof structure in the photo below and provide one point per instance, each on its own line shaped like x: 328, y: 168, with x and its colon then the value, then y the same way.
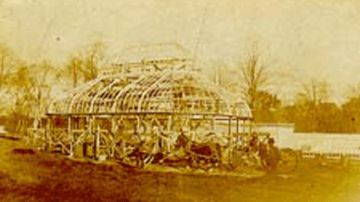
x: 158, y: 86
x: 152, y: 52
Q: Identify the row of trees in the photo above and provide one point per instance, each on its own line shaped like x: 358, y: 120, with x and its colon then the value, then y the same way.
x: 312, y: 109
x: 25, y: 89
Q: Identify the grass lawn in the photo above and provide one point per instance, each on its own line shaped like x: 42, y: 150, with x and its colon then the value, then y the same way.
x: 28, y: 175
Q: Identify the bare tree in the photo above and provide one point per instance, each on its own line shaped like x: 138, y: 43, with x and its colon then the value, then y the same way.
x: 74, y: 68
x: 92, y: 60
x: 23, y: 97
x: 85, y: 64
x: 42, y: 73
x: 7, y: 63
x: 30, y: 88
x: 7, y: 67
x: 309, y: 101
x: 353, y: 91
x: 255, y: 76
x: 314, y: 92
x: 222, y: 75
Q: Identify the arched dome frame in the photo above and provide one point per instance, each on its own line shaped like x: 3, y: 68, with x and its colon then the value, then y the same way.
x: 159, y: 95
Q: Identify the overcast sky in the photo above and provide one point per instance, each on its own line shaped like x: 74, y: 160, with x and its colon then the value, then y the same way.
x: 302, y: 38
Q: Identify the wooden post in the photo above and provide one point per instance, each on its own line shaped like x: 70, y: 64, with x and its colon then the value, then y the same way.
x: 115, y: 132
x: 97, y: 143
x: 244, y: 126
x: 71, y: 137
x: 213, y: 123
x: 231, y: 141
x: 170, y: 118
x: 89, y: 133
x: 47, y: 134
x: 76, y: 123
x: 250, y: 127
x: 237, y: 131
x: 114, y: 125
x: 229, y: 131
x: 237, y: 126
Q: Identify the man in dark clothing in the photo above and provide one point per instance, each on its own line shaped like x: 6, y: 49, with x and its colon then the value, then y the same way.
x: 253, y: 144
x: 273, y: 156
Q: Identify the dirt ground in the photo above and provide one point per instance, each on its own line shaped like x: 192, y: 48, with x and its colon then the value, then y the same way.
x: 36, y: 176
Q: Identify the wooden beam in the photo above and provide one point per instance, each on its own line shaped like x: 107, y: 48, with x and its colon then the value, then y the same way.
x: 106, y: 115
x: 213, y: 123
x: 229, y: 128
x: 47, y: 134
x: 97, y: 143
x: 244, y: 126
x: 71, y: 137
x: 231, y: 141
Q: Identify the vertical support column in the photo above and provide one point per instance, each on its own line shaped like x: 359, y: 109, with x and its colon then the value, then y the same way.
x: 71, y: 136
x: 114, y: 125
x: 170, y: 120
x: 213, y: 123
x: 243, y: 126
x: 97, y: 143
x: 115, y: 132
x: 88, y: 134
x: 94, y: 135
x: 47, y: 134
x: 76, y: 123
x: 35, y: 133
x: 229, y: 128
x: 237, y: 126
x: 231, y: 141
x: 237, y: 131
x: 169, y: 123
x: 250, y: 127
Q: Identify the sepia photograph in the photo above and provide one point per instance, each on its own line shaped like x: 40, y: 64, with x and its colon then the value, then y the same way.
x: 181, y: 101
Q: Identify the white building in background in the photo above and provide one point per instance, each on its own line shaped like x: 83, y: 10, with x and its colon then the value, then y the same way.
x: 283, y: 133
x: 2, y: 130
x: 326, y: 143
